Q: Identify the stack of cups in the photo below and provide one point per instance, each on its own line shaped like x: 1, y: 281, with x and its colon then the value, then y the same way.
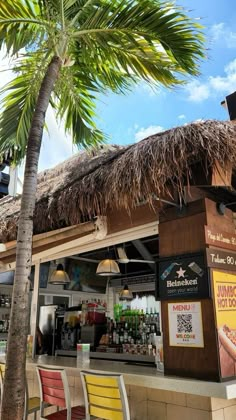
x: 159, y: 353
x: 83, y: 357
x: 3, y: 346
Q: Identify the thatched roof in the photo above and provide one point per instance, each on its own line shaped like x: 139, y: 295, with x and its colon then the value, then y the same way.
x: 87, y: 185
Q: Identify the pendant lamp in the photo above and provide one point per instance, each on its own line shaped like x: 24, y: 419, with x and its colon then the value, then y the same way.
x: 126, y: 294
x: 108, y: 267
x: 59, y: 276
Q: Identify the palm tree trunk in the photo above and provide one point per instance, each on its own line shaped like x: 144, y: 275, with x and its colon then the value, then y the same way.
x: 14, y: 382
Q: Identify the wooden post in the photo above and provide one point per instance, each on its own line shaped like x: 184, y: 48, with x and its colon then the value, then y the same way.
x: 34, y: 308
x: 181, y: 235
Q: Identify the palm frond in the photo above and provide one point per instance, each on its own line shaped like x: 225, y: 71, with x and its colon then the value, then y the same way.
x: 20, y: 24
x: 162, y: 27
x: 110, y: 45
x: 75, y: 105
x: 18, y: 103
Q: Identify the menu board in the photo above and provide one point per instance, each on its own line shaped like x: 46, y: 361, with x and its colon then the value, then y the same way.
x: 185, y: 324
x: 183, y: 277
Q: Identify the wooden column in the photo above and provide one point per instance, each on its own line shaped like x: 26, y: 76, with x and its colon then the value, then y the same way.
x: 184, y: 233
x: 34, y: 307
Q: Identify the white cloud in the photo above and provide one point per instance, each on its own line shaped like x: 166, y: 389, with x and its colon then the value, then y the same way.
x: 148, y: 131
x: 225, y: 84
x: 181, y: 117
x: 217, y: 31
x: 6, y: 75
x: 197, y: 91
x: 220, y: 32
x: 214, y: 85
x: 56, y: 146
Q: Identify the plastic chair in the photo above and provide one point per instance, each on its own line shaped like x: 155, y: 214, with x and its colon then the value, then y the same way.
x: 105, y: 396
x: 2, y: 374
x: 32, y: 404
x: 54, y: 390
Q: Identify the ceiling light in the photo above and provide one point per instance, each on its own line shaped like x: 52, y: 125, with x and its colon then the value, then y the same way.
x: 108, y: 267
x: 59, y: 276
x: 126, y: 294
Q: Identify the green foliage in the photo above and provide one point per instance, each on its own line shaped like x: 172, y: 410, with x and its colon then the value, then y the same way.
x: 103, y: 45
x: 18, y: 103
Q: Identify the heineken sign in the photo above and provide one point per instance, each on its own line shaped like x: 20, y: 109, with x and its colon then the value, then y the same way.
x: 183, y: 277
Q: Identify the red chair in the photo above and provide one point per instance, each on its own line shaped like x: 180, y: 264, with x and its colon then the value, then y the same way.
x: 54, y: 390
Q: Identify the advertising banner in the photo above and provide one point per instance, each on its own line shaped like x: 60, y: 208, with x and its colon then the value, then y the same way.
x: 183, y: 277
x: 185, y: 324
x: 225, y: 306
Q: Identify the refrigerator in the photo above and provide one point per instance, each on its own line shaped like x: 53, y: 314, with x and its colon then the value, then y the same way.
x: 48, y: 327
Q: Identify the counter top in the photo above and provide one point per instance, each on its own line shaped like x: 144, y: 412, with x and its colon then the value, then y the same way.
x: 145, y: 376
x: 126, y: 357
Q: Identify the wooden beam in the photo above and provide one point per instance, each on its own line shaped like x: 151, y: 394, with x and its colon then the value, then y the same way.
x: 137, y: 232
x: 90, y: 243
x: 34, y: 308
x: 54, y: 236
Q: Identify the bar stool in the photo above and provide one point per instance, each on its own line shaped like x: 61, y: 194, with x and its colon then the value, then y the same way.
x: 105, y: 396
x: 32, y: 404
x: 54, y: 391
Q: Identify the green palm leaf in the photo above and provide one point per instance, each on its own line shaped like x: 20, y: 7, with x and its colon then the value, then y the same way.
x: 115, y: 44
x: 20, y: 24
x: 75, y: 105
x: 152, y: 21
x: 18, y: 103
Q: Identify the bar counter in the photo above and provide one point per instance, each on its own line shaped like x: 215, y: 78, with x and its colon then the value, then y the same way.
x: 151, y: 394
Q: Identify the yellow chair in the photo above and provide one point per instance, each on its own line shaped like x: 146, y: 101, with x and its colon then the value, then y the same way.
x: 32, y: 404
x: 105, y: 396
x: 2, y: 374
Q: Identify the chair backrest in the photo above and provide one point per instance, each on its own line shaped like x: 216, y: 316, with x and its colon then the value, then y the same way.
x: 105, y: 396
x: 2, y: 374
x: 54, y: 388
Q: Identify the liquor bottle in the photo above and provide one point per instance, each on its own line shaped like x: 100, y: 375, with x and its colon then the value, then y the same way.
x: 114, y: 336
x: 121, y: 335
x: 126, y: 333
x: 130, y: 336
x: 151, y: 316
x: 118, y: 334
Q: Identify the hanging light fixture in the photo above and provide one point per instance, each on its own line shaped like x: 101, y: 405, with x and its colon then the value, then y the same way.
x: 108, y: 267
x: 126, y: 294
x: 59, y: 276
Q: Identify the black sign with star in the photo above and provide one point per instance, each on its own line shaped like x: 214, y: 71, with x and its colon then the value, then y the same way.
x: 183, y: 277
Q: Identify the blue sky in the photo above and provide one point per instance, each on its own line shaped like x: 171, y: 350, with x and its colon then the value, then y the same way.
x: 129, y: 118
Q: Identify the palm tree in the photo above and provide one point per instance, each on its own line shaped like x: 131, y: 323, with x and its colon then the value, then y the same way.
x: 66, y: 52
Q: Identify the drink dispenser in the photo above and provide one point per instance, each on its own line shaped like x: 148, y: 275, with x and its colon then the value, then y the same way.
x: 70, y: 333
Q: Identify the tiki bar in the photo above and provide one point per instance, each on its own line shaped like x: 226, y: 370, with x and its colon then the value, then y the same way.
x: 134, y: 272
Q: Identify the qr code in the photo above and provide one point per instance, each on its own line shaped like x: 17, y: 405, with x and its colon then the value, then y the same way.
x: 184, y: 323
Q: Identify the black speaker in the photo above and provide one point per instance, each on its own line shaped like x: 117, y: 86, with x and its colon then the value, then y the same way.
x: 231, y: 104
x: 4, y: 182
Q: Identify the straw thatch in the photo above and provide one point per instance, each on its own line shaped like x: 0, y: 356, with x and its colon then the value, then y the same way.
x: 88, y: 185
